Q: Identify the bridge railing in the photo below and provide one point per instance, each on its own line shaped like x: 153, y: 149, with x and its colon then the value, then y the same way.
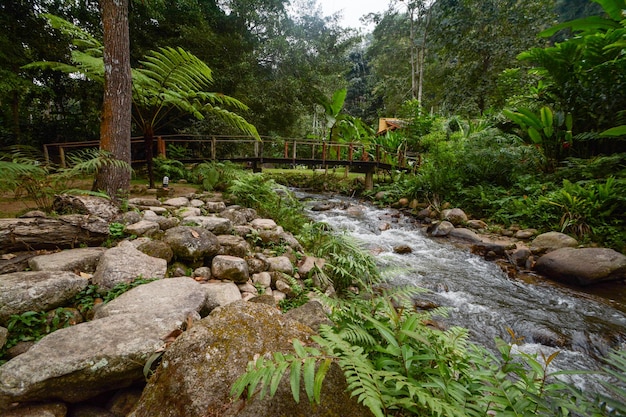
x: 191, y: 148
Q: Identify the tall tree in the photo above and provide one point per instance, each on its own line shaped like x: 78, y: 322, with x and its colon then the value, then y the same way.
x: 116, y: 109
x: 474, y: 41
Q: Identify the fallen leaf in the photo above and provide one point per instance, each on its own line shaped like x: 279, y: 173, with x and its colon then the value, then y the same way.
x: 8, y: 256
x: 195, y: 234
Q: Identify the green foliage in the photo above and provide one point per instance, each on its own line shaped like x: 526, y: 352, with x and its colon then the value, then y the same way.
x: 300, y: 294
x: 173, y: 169
x: 347, y: 263
x: 215, y: 175
x: 28, y: 174
x: 395, y: 364
x: 269, y: 199
x: 581, y: 72
x: 551, y: 131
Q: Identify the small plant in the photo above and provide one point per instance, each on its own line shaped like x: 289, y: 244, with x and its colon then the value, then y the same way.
x: 300, y: 294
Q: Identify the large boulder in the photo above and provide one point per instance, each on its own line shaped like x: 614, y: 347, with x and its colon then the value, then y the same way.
x: 37, y: 291
x: 550, y: 241
x: 79, y: 362
x: 583, y: 266
x: 200, y: 367
x: 124, y: 263
x: 234, y: 245
x: 191, y: 243
x: 82, y: 259
x: 179, y: 296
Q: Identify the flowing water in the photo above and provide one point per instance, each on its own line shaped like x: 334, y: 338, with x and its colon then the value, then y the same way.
x: 480, y: 297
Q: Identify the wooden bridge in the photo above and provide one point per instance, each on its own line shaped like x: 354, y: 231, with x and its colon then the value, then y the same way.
x: 359, y: 157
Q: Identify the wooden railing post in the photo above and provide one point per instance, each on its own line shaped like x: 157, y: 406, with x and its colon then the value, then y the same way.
x: 293, y: 156
x: 324, y: 145
x: 350, y: 151
x: 213, y: 145
x: 286, y: 150
x: 62, y: 156
x: 46, y: 154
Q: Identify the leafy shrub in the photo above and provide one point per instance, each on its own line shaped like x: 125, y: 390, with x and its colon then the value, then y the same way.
x: 171, y: 168
x: 397, y: 365
x: 215, y: 175
x: 269, y: 199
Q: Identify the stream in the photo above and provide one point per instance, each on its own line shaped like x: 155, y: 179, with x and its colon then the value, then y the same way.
x: 583, y: 326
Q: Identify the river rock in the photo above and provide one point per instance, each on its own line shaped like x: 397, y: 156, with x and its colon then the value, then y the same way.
x: 308, y: 263
x: 230, y: 268
x: 191, y: 243
x: 156, y: 249
x: 464, y: 234
x: 176, y: 202
x: 234, y: 246
x: 220, y: 294
x: 82, y: 259
x: 440, y: 229
x: 550, y: 241
x: 214, y: 206
x: 215, y: 225
x: 280, y: 264
x: 402, y: 249
x: 456, y: 216
x: 263, y: 224
x: 145, y: 202
x: 238, y: 215
x: 124, y: 263
x: 476, y: 224
x: 199, y: 368
x: 37, y: 291
x: 525, y: 234
x: 583, y: 266
x: 142, y: 228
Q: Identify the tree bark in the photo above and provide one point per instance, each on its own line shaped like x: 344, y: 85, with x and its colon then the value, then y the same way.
x: 116, y: 110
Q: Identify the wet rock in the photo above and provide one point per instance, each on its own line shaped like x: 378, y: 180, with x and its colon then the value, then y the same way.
x: 323, y: 206
x: 402, y: 249
x: 464, y: 234
x: 519, y: 257
x: 550, y: 241
x: 124, y: 264
x: 583, y: 266
x: 37, y: 291
x: 440, y: 229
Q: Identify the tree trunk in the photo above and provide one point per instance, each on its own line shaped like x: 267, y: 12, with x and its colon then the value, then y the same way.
x: 116, y: 110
